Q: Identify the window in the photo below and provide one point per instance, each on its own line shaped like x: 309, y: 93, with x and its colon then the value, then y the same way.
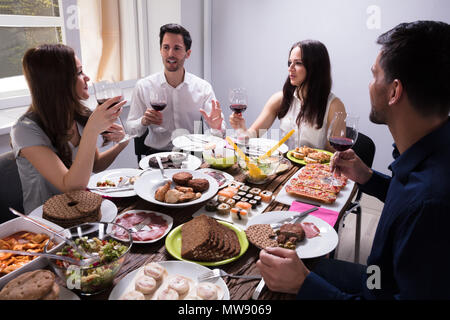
x: 81, y: 24
x: 24, y: 24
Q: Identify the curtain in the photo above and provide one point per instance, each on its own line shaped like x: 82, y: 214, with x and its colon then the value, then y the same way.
x: 100, y: 39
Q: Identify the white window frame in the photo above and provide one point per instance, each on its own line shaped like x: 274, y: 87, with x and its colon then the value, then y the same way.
x: 7, y: 20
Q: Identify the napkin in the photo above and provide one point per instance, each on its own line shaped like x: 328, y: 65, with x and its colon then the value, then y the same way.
x: 326, y: 215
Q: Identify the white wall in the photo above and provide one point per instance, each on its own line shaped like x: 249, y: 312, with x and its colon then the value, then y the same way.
x: 251, y: 41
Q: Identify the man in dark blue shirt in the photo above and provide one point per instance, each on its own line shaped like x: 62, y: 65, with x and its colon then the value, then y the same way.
x: 410, y: 93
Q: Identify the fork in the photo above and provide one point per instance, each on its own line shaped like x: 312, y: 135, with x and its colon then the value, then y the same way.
x: 165, y: 178
x: 141, y: 225
x: 216, y: 273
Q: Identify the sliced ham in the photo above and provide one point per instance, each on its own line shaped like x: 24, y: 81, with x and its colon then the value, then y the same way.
x: 154, y: 230
x: 311, y: 230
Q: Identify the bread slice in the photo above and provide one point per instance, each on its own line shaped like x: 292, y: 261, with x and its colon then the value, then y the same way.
x: 204, y: 239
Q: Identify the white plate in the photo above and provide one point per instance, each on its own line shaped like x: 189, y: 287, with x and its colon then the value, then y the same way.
x: 168, y: 219
x: 184, y: 268
x: 266, y: 144
x: 229, y: 178
x: 184, y: 143
x: 150, y: 181
x: 192, y: 161
x: 308, y: 248
x: 108, y: 210
x: 66, y: 294
x: 19, y: 224
x: 114, y: 176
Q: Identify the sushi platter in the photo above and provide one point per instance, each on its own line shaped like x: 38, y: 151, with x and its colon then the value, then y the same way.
x: 237, y: 203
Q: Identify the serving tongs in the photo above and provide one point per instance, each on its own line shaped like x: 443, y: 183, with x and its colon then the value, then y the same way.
x: 81, y: 263
x: 70, y: 242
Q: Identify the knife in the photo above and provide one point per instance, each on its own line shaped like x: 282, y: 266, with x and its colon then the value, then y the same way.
x: 302, y: 215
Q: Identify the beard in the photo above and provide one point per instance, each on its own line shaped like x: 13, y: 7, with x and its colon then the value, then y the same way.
x: 376, y: 117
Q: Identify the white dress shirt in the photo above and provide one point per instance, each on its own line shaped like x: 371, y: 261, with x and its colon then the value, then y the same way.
x: 181, y: 115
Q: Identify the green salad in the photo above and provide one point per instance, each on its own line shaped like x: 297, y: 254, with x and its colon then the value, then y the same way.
x: 96, y: 276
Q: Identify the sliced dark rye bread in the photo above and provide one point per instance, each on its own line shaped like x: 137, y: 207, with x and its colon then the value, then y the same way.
x: 204, y: 239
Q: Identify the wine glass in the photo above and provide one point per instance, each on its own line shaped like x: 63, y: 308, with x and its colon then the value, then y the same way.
x: 342, y: 135
x: 107, y: 89
x: 158, y: 101
x: 238, y: 104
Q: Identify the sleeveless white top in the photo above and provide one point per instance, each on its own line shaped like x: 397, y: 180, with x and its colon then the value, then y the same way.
x: 306, y: 135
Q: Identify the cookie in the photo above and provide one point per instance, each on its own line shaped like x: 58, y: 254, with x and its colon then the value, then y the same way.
x: 261, y: 235
x: 31, y: 285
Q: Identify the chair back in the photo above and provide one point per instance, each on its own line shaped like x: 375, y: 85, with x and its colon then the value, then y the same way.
x: 140, y: 149
x: 364, y: 147
x: 11, y: 188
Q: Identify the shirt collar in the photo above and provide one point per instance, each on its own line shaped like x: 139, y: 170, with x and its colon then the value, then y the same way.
x: 186, y: 81
x: 409, y: 160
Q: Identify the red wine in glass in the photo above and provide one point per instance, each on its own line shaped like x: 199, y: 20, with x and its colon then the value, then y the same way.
x: 341, y: 144
x: 158, y: 106
x: 102, y: 101
x: 238, y: 108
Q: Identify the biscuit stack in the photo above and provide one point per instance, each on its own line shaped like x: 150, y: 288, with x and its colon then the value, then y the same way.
x: 73, y: 208
x: 204, y: 239
x: 33, y: 285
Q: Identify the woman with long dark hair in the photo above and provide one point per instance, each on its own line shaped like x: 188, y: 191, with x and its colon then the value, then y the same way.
x: 306, y: 102
x: 55, y: 141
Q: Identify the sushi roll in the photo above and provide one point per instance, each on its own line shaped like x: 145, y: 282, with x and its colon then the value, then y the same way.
x: 231, y: 189
x: 211, y: 205
x: 222, y: 199
x: 237, y: 198
x: 244, y: 199
x: 239, y: 214
x: 242, y: 193
x: 226, y: 193
x: 231, y: 202
x: 244, y: 205
x: 266, y: 196
x: 253, y: 203
x: 244, y: 188
x: 249, y: 196
x: 255, y: 191
x: 257, y: 199
x: 235, y: 184
x: 223, y: 209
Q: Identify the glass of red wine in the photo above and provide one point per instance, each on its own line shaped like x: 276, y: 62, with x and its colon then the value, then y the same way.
x: 158, y: 101
x: 105, y: 90
x: 342, y: 135
x: 238, y: 104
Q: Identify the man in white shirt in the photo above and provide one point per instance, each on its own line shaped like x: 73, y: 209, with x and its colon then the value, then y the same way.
x: 188, y: 96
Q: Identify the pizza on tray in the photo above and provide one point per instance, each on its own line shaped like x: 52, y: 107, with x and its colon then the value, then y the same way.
x: 309, y: 184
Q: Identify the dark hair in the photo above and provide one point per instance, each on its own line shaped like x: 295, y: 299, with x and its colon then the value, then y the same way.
x: 177, y: 29
x: 316, y: 60
x: 51, y: 74
x: 418, y: 54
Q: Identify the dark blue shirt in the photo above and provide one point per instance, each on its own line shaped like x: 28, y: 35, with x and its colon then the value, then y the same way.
x: 412, y: 241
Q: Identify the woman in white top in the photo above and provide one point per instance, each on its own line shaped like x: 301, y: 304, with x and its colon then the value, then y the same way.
x: 306, y: 102
x: 55, y: 141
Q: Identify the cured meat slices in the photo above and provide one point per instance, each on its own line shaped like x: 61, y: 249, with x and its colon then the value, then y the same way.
x: 155, y: 229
